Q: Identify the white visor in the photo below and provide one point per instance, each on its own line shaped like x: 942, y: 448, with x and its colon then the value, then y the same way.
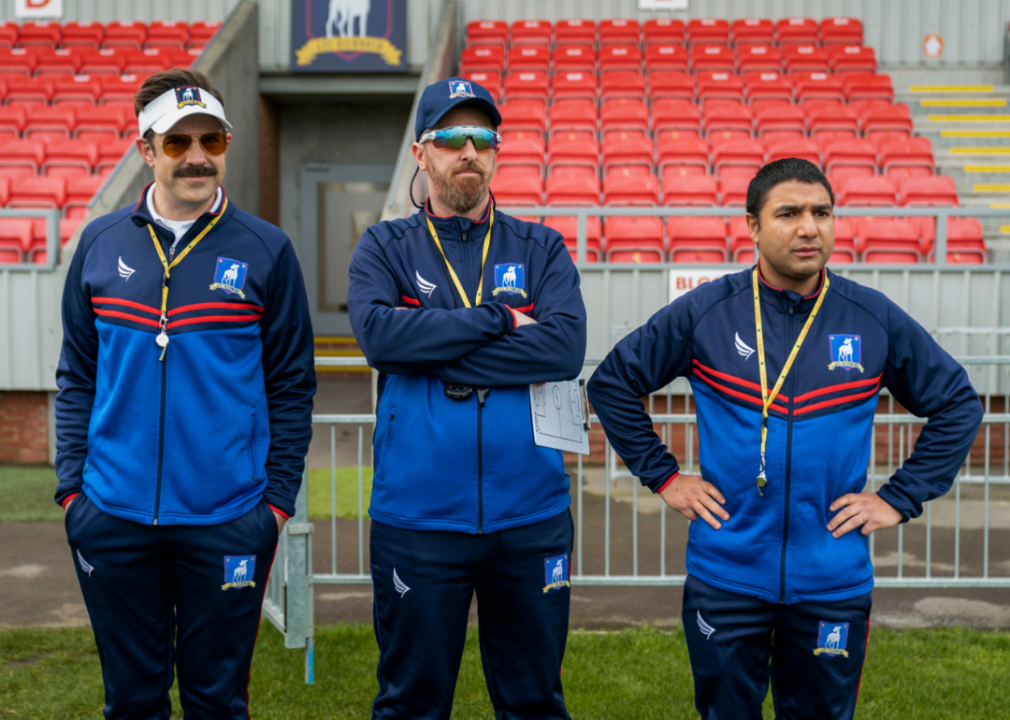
x: 162, y: 113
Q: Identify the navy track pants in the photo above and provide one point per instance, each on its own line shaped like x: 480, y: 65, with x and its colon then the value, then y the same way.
x: 813, y: 653
x: 173, y: 596
x: 424, y: 582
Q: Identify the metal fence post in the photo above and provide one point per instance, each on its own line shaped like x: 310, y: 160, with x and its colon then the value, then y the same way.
x: 299, y: 609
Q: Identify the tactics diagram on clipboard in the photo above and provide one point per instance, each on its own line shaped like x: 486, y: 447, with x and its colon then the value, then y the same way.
x: 560, y: 412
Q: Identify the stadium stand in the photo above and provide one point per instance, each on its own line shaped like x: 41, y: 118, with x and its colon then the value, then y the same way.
x: 675, y: 114
x: 66, y: 113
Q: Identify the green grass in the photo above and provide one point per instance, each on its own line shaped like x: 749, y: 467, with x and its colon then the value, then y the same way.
x: 27, y: 494
x: 321, y: 485
x: 922, y: 674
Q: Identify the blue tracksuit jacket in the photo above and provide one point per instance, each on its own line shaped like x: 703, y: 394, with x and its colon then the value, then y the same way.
x: 225, y: 419
x: 464, y: 465
x: 776, y: 547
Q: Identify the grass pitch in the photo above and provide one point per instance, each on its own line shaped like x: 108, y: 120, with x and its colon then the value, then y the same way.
x: 642, y: 674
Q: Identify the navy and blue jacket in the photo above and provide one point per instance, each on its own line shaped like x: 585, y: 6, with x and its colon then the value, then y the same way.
x: 464, y: 465
x: 776, y: 547
x: 225, y: 420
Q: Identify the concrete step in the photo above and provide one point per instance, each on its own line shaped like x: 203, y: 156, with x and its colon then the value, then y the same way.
x: 989, y: 176
x: 943, y: 138
x: 956, y: 107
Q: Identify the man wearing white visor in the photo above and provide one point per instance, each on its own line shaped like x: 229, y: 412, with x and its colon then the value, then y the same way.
x: 183, y: 417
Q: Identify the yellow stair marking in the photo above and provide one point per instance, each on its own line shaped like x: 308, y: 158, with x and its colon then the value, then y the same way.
x: 323, y: 339
x: 991, y: 187
x: 950, y: 88
x: 962, y: 103
x: 975, y: 133
x: 969, y: 118
x: 1004, y: 228
x: 999, y: 206
x: 980, y: 151
x: 987, y: 168
x: 340, y: 353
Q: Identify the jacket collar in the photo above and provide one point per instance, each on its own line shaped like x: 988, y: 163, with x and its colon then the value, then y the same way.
x: 453, y: 226
x: 142, y: 217
x: 782, y: 299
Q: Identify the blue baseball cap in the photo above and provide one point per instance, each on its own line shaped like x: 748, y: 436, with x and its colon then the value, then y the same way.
x: 441, y: 97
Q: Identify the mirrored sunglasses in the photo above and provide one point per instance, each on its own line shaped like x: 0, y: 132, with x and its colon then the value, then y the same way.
x: 455, y: 138
x: 176, y: 145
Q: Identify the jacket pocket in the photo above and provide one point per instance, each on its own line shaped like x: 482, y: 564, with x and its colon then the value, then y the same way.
x: 389, y: 434
x: 252, y: 446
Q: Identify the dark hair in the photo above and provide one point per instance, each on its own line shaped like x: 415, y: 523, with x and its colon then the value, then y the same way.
x: 780, y: 171
x: 159, y: 84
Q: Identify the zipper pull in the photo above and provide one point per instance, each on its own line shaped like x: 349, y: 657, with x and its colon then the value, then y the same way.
x: 481, y: 394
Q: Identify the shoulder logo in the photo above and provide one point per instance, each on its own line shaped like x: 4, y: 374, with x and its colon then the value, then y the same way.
x: 706, y: 629
x: 460, y: 88
x: 239, y: 571
x: 743, y: 348
x: 188, y: 95
x: 399, y: 585
x: 510, y: 278
x: 556, y: 573
x: 832, y: 638
x: 423, y: 285
x: 846, y: 352
x: 230, y: 275
x: 125, y: 271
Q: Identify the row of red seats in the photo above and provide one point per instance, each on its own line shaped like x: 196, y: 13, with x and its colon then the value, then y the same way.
x: 750, y: 88
x: 89, y: 61
x: 69, y: 194
x: 792, y: 58
x: 664, y: 30
x: 81, y: 92
x: 66, y: 158
x: 115, y: 34
x: 706, y: 190
x: 43, y: 123
x: 24, y: 239
x: 627, y: 114
x: 713, y: 240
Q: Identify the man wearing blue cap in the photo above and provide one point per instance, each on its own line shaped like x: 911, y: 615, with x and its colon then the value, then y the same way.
x: 460, y: 308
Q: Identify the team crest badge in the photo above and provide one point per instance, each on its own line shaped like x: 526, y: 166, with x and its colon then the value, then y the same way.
x: 846, y: 352
x: 188, y: 95
x: 460, y: 88
x: 229, y: 275
x: 239, y: 571
x: 832, y: 638
x: 556, y: 573
x: 510, y: 278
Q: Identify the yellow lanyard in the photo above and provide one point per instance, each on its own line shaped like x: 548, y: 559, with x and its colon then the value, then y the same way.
x: 768, y: 398
x: 455, y: 279
x: 162, y: 338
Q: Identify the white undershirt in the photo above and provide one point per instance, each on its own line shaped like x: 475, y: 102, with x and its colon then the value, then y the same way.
x: 179, y: 227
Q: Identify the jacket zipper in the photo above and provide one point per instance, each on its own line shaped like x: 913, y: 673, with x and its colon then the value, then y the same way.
x: 481, y: 394
x: 161, y: 421
x: 789, y: 452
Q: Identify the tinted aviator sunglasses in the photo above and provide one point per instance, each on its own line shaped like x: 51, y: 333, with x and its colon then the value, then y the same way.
x: 176, y: 145
x: 455, y: 138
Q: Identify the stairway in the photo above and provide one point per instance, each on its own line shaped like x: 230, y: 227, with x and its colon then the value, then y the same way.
x: 339, y: 346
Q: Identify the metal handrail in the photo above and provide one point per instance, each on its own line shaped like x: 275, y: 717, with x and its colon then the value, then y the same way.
x: 52, y: 217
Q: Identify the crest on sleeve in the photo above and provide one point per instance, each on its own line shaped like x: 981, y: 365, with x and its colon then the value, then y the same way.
x: 510, y: 278
x: 846, y: 352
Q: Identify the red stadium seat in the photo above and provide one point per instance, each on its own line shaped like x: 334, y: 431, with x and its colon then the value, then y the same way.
x: 40, y: 239
x: 676, y: 149
x: 895, y: 118
x: 754, y: 57
x: 965, y: 242
x: 928, y: 191
x: 622, y: 83
x: 889, y: 241
x: 125, y: 34
x: 741, y: 247
x: 907, y: 158
x: 527, y: 84
x: 202, y: 31
x: 109, y: 154
x: 5, y: 190
x: 12, y: 122
x: 783, y: 122
x: 620, y: 31
x: 621, y: 189
x: 531, y: 32
x: 57, y: 62
x: 670, y: 84
x: 568, y: 227
x: 8, y: 34
x: 634, y: 239
x: 620, y: 56
x: 15, y: 239
x: 803, y: 149
x: 482, y: 57
x: 489, y: 80
x: 624, y: 114
x: 850, y: 58
x: 719, y: 85
x: 77, y: 88
x: 517, y: 191
x: 663, y: 31
x: 708, y: 56
x: 529, y: 57
x: 805, y: 57
x: 768, y: 86
x: 746, y: 153
x: 697, y: 239
x: 737, y: 119
x: 797, y: 30
x: 575, y: 58
x: 845, y: 242
x: 576, y: 156
x: 70, y: 158
x: 666, y: 56
x: 52, y: 123
x: 834, y: 119
x: 167, y: 33
x: 572, y: 191
x: 18, y: 61
x: 480, y: 32
x: 573, y: 114
x: 733, y: 190
x: 38, y: 191
x: 41, y: 33
x: 868, y: 192
x: 83, y: 34
x: 675, y: 114
x: 707, y: 30
x: 526, y: 152
x: 580, y: 32
x: 625, y: 151
x: 151, y: 60
x: 36, y: 90
x: 841, y: 30
x: 24, y: 154
x: 818, y: 86
x: 867, y: 86
x: 110, y: 61
x: 80, y: 190
x: 120, y: 89
x: 700, y: 190
x: 523, y: 115
x: 753, y: 30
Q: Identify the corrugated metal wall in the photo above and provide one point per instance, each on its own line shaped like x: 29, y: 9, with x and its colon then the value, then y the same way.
x: 146, y: 10
x: 972, y: 30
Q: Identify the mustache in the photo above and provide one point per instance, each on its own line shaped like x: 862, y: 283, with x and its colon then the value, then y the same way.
x: 469, y: 167
x: 196, y: 171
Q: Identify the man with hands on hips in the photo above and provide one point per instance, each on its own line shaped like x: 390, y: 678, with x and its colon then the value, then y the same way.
x: 785, y: 361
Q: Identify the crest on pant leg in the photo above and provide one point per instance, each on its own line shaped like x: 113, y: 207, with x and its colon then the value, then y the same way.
x: 832, y: 637
x: 556, y: 572
x: 239, y: 571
